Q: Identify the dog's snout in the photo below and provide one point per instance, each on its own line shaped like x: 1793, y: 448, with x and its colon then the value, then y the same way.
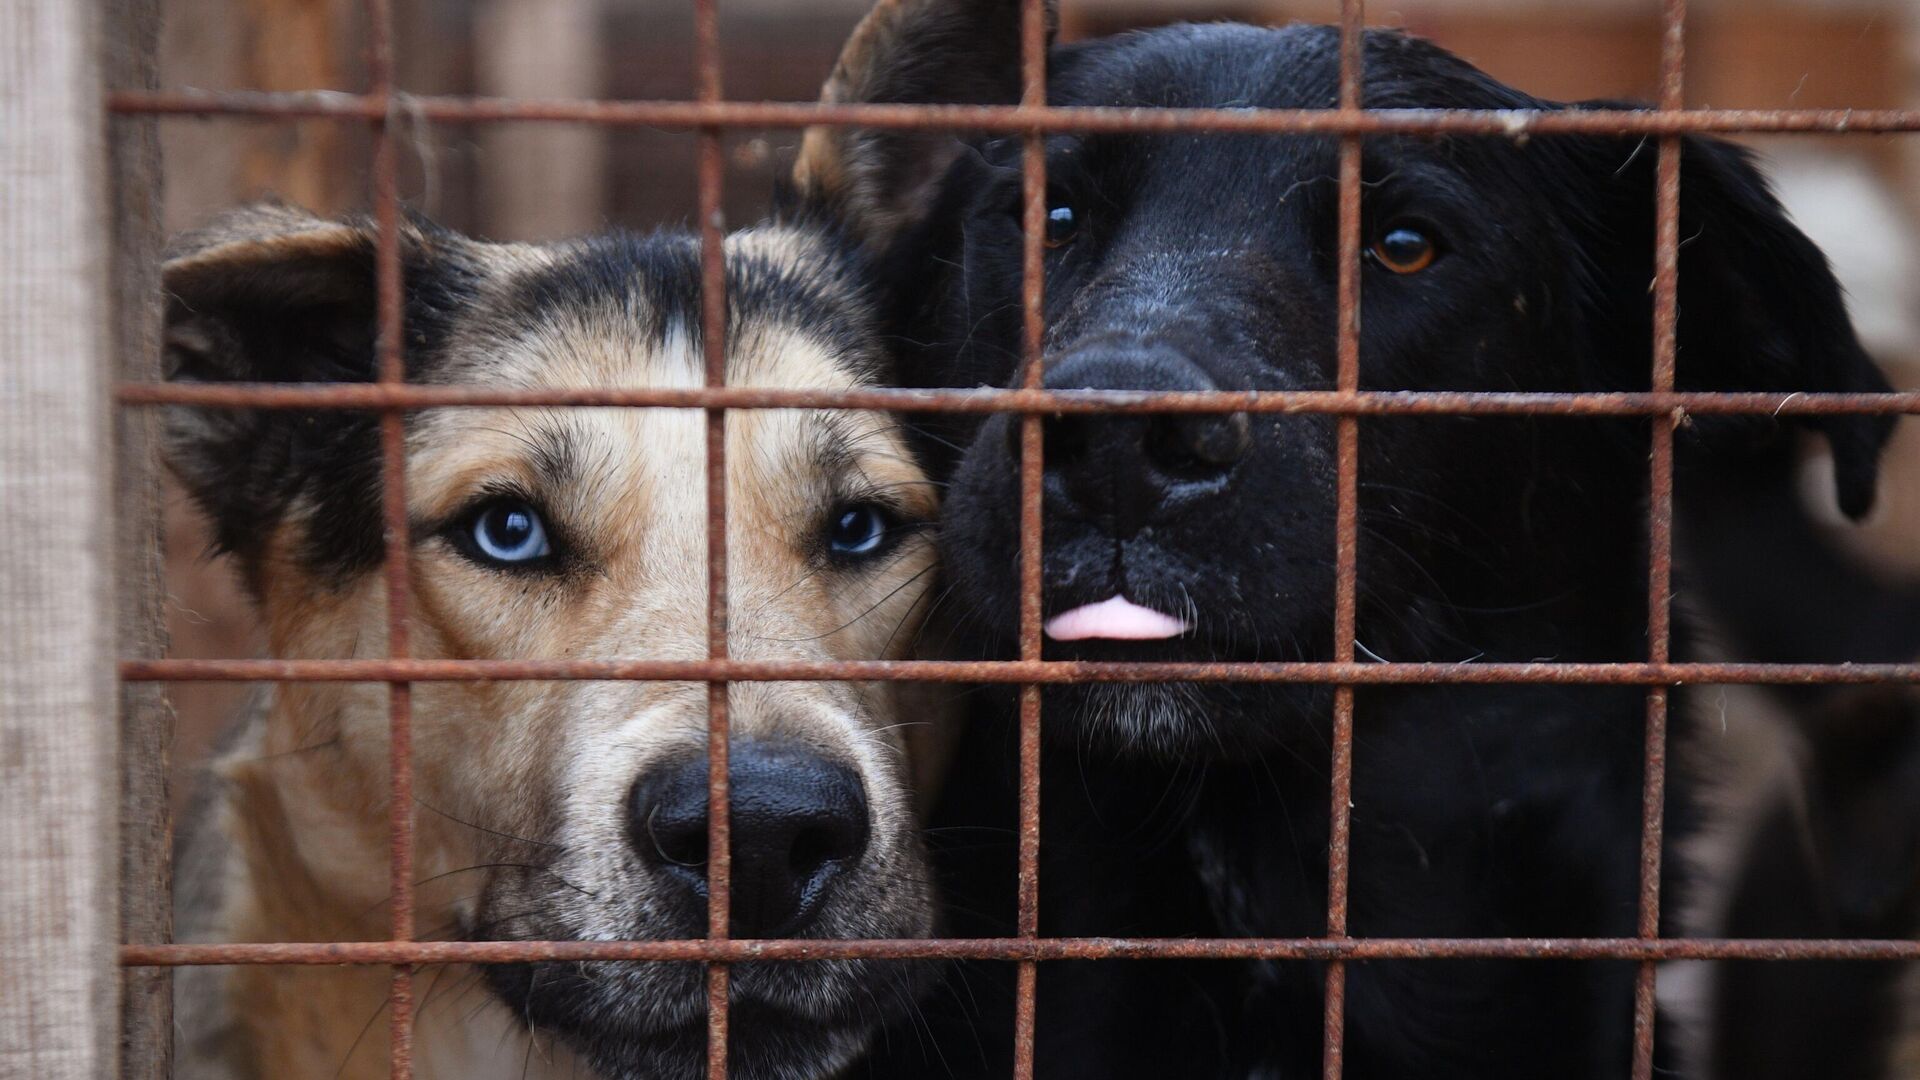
x: 1127, y: 469
x: 799, y: 822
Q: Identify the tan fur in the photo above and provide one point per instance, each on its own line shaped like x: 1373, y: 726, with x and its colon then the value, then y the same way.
x: 884, y: 179
x: 822, y: 165
x: 303, y: 811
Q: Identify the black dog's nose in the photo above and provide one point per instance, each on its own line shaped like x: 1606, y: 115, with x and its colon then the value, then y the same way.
x: 1126, y: 469
x: 799, y: 822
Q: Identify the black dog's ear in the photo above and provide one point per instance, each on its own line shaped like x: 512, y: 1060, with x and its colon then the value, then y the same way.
x: 907, y: 52
x: 272, y: 294
x: 1760, y: 310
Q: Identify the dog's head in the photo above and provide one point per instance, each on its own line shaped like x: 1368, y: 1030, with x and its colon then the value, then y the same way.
x: 1199, y: 262
x: 577, y: 810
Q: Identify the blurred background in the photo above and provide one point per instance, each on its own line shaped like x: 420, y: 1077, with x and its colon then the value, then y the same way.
x: 1859, y: 197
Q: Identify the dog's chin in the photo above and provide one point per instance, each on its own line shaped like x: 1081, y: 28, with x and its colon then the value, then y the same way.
x: 1188, y: 721
x: 762, y: 1044
x: 648, y: 1021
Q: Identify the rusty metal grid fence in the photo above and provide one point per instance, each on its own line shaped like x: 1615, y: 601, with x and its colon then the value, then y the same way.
x: 383, y: 107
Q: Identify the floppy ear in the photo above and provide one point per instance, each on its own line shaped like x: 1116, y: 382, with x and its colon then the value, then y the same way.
x: 907, y: 52
x: 1760, y: 309
x: 272, y: 294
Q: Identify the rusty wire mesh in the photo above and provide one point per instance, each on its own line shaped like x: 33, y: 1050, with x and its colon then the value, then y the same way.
x: 381, y: 105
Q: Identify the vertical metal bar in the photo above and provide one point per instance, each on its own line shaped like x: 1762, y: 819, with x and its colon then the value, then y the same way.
x: 389, y: 306
x: 1666, y: 277
x: 713, y: 328
x: 133, y: 171
x: 1346, y: 540
x: 1033, y: 94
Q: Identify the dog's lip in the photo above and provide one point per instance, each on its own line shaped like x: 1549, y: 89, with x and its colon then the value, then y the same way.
x: 1115, y: 618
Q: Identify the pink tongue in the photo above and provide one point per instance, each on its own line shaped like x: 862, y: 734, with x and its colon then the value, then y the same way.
x: 1116, y: 619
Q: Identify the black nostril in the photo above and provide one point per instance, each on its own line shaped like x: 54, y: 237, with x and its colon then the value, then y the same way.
x: 1064, y: 439
x: 1221, y: 439
x: 678, y: 841
x: 799, y: 822
x: 813, y: 850
x: 1200, y: 446
x: 667, y: 812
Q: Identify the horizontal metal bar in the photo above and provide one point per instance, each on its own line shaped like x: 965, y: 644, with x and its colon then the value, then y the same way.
x: 324, y: 104
x: 1335, y: 402
x: 1012, y: 671
x: 737, y: 950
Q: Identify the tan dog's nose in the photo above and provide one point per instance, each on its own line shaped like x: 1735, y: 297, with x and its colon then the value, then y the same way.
x: 799, y: 822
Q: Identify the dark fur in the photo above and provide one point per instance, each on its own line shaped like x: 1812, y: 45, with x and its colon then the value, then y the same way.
x: 1208, y: 261
x: 1836, y: 854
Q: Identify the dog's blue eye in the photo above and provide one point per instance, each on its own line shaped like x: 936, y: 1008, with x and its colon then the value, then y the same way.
x: 1062, y: 224
x: 858, y: 530
x: 510, y: 532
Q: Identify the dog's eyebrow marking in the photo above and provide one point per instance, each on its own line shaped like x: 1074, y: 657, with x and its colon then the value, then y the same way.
x: 554, y: 453
x: 835, y: 442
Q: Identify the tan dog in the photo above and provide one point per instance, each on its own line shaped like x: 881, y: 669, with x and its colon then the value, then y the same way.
x: 568, y: 810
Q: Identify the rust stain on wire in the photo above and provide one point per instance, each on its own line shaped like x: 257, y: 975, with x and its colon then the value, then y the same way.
x: 1033, y: 282
x: 1038, y: 950
x: 1029, y: 400
x: 389, y: 315
x: 1346, y: 542
x: 1016, y: 120
x: 1666, y: 277
x: 1021, y: 671
x: 713, y: 323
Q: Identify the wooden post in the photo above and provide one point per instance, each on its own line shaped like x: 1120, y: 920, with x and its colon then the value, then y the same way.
x: 58, y: 730
x: 541, y: 181
x: 292, y: 45
x: 132, y: 33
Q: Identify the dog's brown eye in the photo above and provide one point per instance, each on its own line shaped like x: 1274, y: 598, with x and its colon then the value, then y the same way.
x: 1063, y: 223
x: 1404, y: 249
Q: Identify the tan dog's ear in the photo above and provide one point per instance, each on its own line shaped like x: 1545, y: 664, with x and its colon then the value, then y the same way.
x: 273, y: 294
x: 907, y: 52
x: 267, y: 254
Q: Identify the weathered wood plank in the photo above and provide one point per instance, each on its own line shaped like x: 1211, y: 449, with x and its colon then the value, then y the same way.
x: 541, y: 181
x: 131, y: 30
x: 58, y: 731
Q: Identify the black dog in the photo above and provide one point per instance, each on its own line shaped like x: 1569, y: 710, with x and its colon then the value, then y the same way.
x: 1191, y: 262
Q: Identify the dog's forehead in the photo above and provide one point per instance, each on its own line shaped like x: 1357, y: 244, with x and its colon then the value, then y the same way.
x: 1229, y: 65
x: 624, y: 310
x: 1199, y: 66
x: 1266, y: 189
